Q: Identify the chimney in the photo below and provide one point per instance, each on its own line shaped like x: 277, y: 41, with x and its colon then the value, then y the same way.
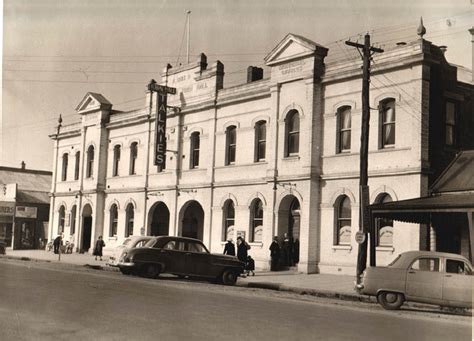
x: 254, y: 74
x: 23, y: 165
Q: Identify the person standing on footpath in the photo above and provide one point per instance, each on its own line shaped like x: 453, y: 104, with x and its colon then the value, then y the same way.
x: 57, y: 244
x: 229, y: 248
x: 242, y: 248
x: 99, y: 245
x: 274, y: 254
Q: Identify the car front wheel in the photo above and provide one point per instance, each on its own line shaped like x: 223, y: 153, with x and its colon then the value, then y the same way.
x: 151, y: 270
x: 229, y: 277
x: 126, y: 271
x: 390, y: 300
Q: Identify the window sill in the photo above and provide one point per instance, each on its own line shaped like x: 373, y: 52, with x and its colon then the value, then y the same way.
x: 385, y: 249
x: 291, y: 158
x: 256, y: 244
x: 342, y: 247
x: 113, y: 238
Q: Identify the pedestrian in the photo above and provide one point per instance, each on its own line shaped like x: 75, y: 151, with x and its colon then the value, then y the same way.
x: 99, y: 245
x: 250, y: 266
x: 229, y: 248
x: 274, y: 254
x: 286, y: 249
x: 57, y: 243
x: 242, y: 248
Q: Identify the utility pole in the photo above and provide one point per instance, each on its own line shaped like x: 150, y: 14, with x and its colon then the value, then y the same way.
x: 188, y: 14
x: 364, y: 221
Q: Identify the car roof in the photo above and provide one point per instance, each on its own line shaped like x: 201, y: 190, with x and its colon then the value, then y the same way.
x: 178, y: 238
x: 408, y: 256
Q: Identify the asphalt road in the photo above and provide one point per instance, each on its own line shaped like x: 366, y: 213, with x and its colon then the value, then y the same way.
x: 41, y: 301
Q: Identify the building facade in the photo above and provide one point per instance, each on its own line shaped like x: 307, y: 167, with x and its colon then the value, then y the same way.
x: 274, y: 156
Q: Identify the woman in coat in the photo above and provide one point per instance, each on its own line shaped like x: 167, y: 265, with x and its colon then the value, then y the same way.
x: 99, y: 245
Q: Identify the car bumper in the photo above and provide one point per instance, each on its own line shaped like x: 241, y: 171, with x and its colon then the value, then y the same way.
x: 126, y: 265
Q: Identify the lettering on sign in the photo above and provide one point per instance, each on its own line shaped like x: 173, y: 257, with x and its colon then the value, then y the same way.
x: 292, y: 67
x: 7, y: 208
x: 202, y: 86
x: 160, y: 130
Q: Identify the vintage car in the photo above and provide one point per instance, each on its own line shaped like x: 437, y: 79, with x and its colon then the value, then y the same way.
x: 438, y: 278
x: 128, y: 243
x: 180, y: 256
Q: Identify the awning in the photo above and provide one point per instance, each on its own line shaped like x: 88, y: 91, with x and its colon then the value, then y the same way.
x: 420, y: 210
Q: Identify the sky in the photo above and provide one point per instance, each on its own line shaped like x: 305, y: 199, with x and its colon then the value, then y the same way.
x: 55, y: 51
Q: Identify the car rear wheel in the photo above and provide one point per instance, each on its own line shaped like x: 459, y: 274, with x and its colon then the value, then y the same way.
x: 229, y: 277
x: 125, y: 271
x: 390, y: 300
x: 151, y: 270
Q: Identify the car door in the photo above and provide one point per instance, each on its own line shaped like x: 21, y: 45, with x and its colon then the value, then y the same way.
x: 198, y: 260
x: 457, y: 282
x: 172, y: 255
x: 424, y: 280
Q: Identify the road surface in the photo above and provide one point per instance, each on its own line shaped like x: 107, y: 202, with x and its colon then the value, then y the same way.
x: 42, y: 301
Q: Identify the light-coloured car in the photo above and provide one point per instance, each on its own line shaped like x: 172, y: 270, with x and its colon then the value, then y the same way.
x: 128, y: 243
x: 438, y: 278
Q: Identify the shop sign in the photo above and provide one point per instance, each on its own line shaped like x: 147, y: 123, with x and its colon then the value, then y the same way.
x: 7, y: 208
x: 26, y: 212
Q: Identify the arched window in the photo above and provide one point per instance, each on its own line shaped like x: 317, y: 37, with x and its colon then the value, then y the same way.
x: 90, y: 162
x: 387, y: 122
x: 195, y: 145
x: 62, y: 216
x: 64, y: 169
x: 133, y: 158
x: 130, y: 213
x: 342, y: 219
x: 115, y: 169
x: 260, y: 140
x: 73, y: 219
x: 292, y: 133
x: 229, y: 220
x: 113, y: 220
x: 231, y: 144
x: 76, y: 166
x: 384, y: 226
x: 343, y: 129
x: 256, y: 221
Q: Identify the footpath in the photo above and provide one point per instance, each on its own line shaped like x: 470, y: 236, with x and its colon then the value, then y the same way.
x: 319, y: 285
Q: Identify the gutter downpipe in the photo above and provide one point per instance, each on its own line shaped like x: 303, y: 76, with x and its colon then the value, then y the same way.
x: 275, y: 171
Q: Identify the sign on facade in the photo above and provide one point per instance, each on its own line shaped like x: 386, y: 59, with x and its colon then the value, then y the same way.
x: 26, y: 212
x: 160, y: 130
x: 360, y: 237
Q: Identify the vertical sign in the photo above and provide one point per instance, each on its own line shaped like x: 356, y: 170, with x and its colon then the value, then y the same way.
x: 160, y: 130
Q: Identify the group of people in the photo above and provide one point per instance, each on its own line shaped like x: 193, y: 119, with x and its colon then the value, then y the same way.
x: 97, y: 252
x: 242, y: 254
x: 284, y: 254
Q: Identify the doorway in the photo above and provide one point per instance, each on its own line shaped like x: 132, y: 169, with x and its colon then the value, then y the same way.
x: 160, y: 220
x: 192, y: 222
x: 86, y: 228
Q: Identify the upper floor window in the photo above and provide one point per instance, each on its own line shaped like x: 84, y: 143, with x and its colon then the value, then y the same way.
x: 133, y: 158
x: 64, y: 169
x: 61, y: 221
x: 113, y: 220
x: 130, y: 213
x: 229, y: 220
x: 342, y: 221
x: 195, y: 145
x: 260, y: 140
x: 343, y: 129
x: 77, y: 165
x: 115, y: 169
x: 231, y: 144
x: 450, y: 123
x: 90, y: 162
x: 384, y: 226
x: 256, y: 223
x: 387, y: 123
x: 292, y: 133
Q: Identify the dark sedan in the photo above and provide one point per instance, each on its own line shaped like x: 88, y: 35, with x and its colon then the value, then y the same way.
x: 180, y: 256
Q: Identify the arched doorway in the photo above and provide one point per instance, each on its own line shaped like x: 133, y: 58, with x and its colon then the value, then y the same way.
x: 192, y: 220
x: 86, y: 228
x: 289, y: 214
x: 159, y: 218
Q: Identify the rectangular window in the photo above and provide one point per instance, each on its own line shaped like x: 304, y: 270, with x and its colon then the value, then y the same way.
x: 231, y: 142
x: 344, y: 130
x: 133, y: 158
x: 195, y: 146
x: 450, y: 124
x: 76, y: 170
x: 387, y: 123
x: 115, y: 171
x: 260, y: 141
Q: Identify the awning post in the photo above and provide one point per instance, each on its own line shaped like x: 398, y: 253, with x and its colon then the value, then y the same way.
x: 470, y: 218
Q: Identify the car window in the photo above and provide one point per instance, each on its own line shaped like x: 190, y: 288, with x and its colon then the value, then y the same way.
x: 171, y: 245
x: 395, y: 260
x: 425, y: 264
x: 196, y: 247
x: 126, y: 241
x: 141, y: 243
x: 150, y: 243
x: 457, y: 267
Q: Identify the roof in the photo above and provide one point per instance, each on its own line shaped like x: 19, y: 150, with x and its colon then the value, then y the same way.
x: 458, y: 176
x: 33, y: 197
x: 26, y: 179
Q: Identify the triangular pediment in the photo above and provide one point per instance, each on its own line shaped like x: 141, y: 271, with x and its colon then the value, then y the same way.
x: 292, y: 47
x: 93, y: 102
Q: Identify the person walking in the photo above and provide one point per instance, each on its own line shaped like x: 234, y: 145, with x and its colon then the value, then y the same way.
x: 229, y: 248
x: 57, y: 244
x: 242, y: 248
x: 274, y: 254
x: 99, y: 245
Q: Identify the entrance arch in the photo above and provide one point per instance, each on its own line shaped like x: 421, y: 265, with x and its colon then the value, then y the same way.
x: 159, y: 218
x: 86, y: 228
x: 289, y: 217
x: 192, y: 220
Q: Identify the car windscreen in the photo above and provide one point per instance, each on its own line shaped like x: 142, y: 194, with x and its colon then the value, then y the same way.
x: 126, y: 242
x: 150, y: 243
x: 394, y: 262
